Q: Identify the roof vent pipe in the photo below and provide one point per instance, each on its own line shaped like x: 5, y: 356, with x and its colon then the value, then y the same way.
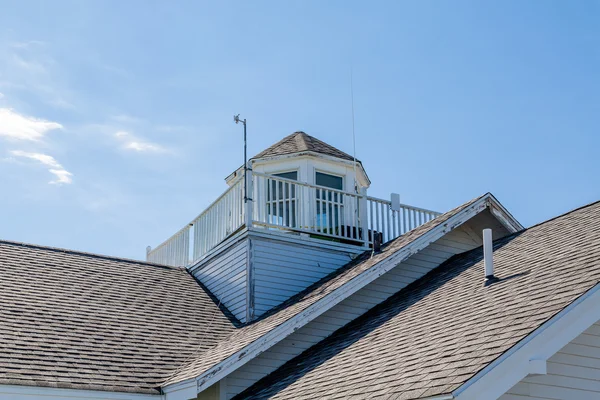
x: 488, y: 257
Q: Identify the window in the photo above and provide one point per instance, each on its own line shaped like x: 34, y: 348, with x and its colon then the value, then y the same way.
x: 331, y: 181
x: 281, y: 200
x: 330, y: 204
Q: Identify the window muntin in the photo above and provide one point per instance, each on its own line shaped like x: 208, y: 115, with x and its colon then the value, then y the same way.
x: 281, y: 200
x: 329, y: 204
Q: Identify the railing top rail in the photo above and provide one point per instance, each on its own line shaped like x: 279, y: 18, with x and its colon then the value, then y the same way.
x: 277, y: 178
x: 186, y: 226
x: 182, y: 230
x: 403, y: 205
x: 229, y: 189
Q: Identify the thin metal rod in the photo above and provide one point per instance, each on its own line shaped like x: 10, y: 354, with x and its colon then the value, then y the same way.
x: 245, y: 165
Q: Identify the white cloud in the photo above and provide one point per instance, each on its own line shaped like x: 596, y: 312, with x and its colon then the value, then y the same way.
x: 29, y: 66
x: 19, y: 127
x: 130, y: 142
x: 26, y: 44
x: 127, y: 119
x: 62, y: 175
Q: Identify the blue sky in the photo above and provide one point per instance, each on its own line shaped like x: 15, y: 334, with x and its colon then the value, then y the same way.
x: 116, y: 117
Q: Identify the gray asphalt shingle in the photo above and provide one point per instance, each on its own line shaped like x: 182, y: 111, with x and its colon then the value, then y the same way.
x: 83, y: 321
x: 299, y: 142
x: 438, y: 332
x: 246, y: 335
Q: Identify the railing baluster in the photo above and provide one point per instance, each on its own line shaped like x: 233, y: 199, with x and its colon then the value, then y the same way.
x: 371, y: 220
x: 340, y: 212
x: 390, y: 228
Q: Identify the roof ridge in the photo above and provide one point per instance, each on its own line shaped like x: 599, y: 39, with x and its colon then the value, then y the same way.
x: 84, y: 253
x: 564, y: 214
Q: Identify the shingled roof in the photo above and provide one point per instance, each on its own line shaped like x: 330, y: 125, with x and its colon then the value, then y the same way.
x: 248, y: 334
x: 299, y: 142
x: 84, y: 321
x: 437, y: 333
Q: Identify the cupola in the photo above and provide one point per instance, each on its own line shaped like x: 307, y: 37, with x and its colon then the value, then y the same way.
x: 298, y: 212
x: 306, y: 159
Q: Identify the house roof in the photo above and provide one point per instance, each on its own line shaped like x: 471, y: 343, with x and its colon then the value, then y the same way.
x: 239, y: 340
x: 84, y: 321
x: 299, y: 142
x: 437, y: 333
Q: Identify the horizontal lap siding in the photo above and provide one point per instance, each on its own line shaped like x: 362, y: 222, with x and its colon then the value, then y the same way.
x: 416, y: 266
x: 283, y: 269
x: 225, y: 276
x: 572, y: 374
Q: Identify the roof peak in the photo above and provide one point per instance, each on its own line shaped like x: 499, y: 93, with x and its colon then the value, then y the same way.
x: 299, y: 142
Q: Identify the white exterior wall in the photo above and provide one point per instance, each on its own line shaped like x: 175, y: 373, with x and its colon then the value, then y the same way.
x: 308, y: 166
x: 283, y: 268
x: 573, y: 373
x: 457, y: 241
x: 225, y: 276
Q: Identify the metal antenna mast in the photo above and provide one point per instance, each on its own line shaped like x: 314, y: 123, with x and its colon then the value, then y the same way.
x: 353, y: 134
x: 237, y: 120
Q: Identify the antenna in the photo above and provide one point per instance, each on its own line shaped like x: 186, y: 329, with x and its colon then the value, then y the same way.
x: 353, y: 133
x: 237, y: 120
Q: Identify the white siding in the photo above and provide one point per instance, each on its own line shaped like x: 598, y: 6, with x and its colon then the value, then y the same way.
x: 282, y: 269
x: 457, y: 241
x: 225, y: 276
x: 572, y: 374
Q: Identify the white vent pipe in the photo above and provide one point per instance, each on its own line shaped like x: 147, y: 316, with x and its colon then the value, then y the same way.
x: 488, y: 256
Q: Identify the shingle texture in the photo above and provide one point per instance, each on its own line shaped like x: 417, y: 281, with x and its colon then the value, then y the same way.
x: 438, y: 332
x: 298, y: 142
x: 76, y: 320
x: 244, y: 336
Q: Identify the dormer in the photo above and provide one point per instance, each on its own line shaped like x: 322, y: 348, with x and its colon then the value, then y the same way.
x: 305, y: 214
x: 306, y: 159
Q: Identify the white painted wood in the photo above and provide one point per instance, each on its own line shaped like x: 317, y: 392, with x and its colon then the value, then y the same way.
x: 488, y: 253
x: 573, y: 373
x: 292, y: 205
x: 457, y: 241
x: 282, y: 269
x: 225, y: 276
x: 218, y: 221
x: 16, y: 392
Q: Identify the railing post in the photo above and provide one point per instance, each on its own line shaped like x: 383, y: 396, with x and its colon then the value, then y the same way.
x: 248, y: 206
x: 364, y: 216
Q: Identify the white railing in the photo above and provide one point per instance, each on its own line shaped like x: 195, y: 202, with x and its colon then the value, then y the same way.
x: 222, y: 218
x: 288, y: 205
x: 392, y: 222
x: 173, y: 251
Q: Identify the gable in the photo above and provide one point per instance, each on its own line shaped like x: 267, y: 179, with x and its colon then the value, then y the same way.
x: 249, y: 341
x: 444, y: 334
x: 457, y: 241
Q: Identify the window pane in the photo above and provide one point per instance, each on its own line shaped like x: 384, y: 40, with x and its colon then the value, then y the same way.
x: 288, y: 175
x: 331, y: 181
